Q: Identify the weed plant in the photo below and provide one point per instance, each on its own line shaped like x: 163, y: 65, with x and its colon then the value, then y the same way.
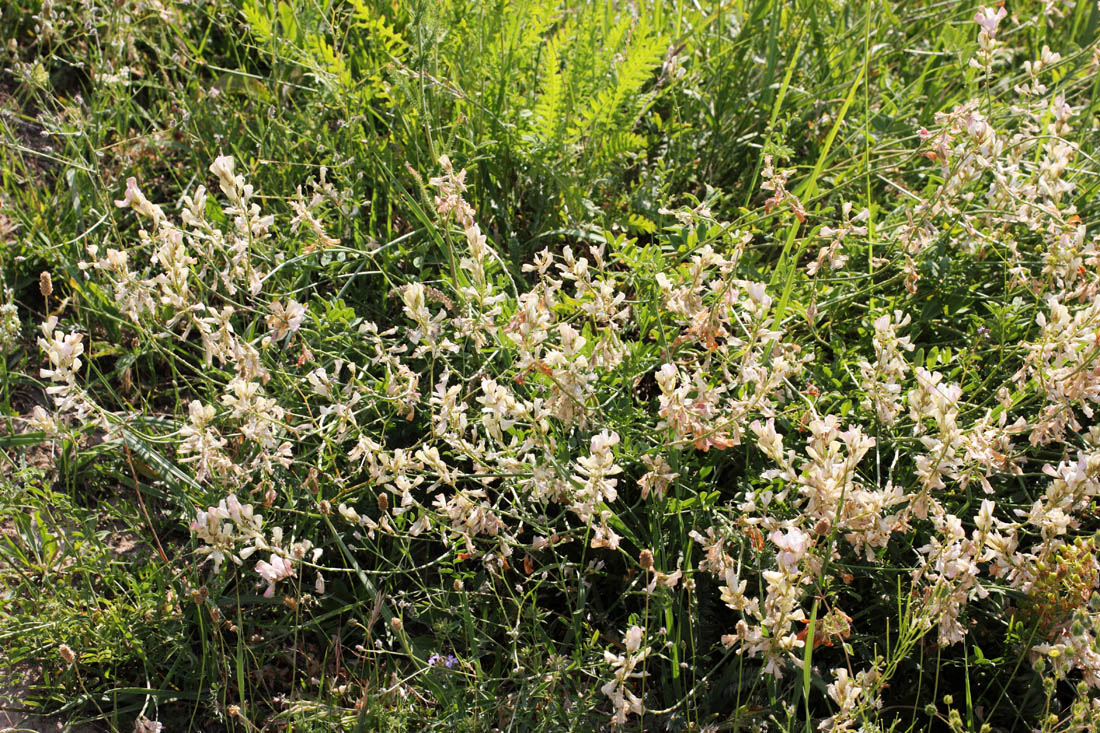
x: 551, y: 365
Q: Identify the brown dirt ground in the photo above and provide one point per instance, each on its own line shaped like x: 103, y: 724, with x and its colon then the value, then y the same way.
x: 13, y: 692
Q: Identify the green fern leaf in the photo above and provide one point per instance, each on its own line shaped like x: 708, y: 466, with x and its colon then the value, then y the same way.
x: 548, y: 109
x: 260, y: 22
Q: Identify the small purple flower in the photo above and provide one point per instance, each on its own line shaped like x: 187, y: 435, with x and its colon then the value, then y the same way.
x: 449, y: 661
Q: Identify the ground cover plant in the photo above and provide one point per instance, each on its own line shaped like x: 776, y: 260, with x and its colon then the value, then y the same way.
x: 547, y: 365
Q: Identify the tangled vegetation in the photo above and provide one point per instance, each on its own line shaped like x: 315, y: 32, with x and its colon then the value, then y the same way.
x: 551, y: 365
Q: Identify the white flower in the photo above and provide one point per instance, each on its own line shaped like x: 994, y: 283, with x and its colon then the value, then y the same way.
x: 286, y: 319
x: 623, y: 699
x: 222, y: 167
x: 136, y: 200
x: 633, y: 639
x: 63, y: 351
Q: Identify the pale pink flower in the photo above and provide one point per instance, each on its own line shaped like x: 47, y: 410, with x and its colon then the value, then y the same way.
x: 989, y: 19
x: 144, y: 725
x: 792, y: 546
x: 278, y: 569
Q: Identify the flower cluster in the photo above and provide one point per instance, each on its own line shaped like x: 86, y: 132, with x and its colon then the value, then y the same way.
x: 63, y: 352
x: 224, y: 527
x: 9, y: 323
x: 881, y: 381
x: 987, y: 19
x: 625, y: 668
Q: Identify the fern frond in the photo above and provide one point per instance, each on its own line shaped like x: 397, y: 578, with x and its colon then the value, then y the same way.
x: 641, y: 57
x: 644, y: 55
x: 379, y: 32
x: 552, y: 93
x: 260, y: 21
x: 328, y: 59
x: 619, y: 144
x: 640, y: 223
